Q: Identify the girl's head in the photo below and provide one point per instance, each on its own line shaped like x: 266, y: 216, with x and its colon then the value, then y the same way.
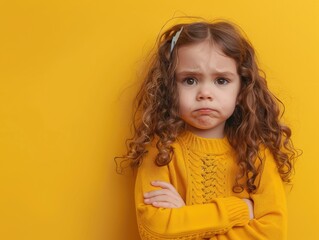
x: 208, y: 86
x: 226, y: 39
x: 187, y: 56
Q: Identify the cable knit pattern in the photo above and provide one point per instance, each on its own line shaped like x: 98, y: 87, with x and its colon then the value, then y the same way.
x: 207, y: 177
x: 203, y: 172
x: 207, y: 169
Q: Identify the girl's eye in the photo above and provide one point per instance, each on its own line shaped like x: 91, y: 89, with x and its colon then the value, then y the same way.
x: 221, y: 81
x: 189, y: 81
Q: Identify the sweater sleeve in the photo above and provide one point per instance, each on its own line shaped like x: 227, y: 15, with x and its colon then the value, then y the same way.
x: 270, y: 221
x: 188, y: 222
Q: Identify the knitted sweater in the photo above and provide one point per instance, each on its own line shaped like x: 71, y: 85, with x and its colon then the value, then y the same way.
x: 203, y: 172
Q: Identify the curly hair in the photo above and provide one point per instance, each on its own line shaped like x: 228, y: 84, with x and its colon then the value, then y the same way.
x: 254, y: 123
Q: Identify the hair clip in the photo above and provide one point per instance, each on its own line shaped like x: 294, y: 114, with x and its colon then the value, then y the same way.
x: 174, y: 39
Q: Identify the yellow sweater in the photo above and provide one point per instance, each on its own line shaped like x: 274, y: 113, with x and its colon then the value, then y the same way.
x: 203, y: 172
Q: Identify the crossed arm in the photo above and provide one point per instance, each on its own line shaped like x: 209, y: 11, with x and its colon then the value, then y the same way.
x: 162, y: 213
x: 168, y: 197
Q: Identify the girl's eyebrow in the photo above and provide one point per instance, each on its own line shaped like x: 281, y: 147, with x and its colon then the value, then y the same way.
x: 195, y: 72
x: 187, y: 72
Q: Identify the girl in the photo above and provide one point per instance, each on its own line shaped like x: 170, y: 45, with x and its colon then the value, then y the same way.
x: 210, y: 151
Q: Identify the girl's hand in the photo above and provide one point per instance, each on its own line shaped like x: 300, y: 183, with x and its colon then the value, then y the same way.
x: 166, y: 197
x: 250, y: 205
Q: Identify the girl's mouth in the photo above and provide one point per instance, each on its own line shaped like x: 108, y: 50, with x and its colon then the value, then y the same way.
x: 205, y: 110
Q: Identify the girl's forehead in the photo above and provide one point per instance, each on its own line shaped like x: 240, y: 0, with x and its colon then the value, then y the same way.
x: 206, y: 45
x: 203, y: 55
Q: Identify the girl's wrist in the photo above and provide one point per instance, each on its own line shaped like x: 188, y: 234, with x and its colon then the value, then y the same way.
x: 250, y: 206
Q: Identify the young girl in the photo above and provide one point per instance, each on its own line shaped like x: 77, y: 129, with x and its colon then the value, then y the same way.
x: 210, y: 151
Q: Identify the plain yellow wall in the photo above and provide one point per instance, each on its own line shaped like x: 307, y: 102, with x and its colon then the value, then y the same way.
x: 67, y: 77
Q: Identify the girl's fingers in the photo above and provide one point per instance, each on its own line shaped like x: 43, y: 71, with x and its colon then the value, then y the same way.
x: 161, y: 198
x: 159, y: 192
x: 166, y: 197
x: 164, y: 202
x: 164, y: 185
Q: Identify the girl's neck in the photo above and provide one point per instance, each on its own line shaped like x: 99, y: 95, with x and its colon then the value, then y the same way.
x: 207, y: 133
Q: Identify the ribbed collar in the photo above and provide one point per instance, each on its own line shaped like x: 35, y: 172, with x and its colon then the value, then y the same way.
x: 207, y: 145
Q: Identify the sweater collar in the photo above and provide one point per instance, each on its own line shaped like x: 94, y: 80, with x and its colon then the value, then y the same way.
x: 207, y: 145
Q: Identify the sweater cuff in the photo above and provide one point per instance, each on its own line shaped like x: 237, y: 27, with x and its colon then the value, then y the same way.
x: 237, y: 211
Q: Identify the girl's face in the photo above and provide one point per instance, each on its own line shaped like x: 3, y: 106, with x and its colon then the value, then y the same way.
x: 208, y: 85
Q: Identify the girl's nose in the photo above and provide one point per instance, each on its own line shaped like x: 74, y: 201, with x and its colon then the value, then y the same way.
x: 205, y: 93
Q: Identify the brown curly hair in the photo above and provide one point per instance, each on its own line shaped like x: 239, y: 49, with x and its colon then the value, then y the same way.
x: 254, y: 123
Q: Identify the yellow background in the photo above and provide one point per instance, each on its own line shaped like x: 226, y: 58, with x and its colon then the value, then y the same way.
x: 68, y: 72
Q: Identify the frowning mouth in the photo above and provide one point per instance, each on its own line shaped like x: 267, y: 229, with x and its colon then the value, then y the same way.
x: 204, y: 110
